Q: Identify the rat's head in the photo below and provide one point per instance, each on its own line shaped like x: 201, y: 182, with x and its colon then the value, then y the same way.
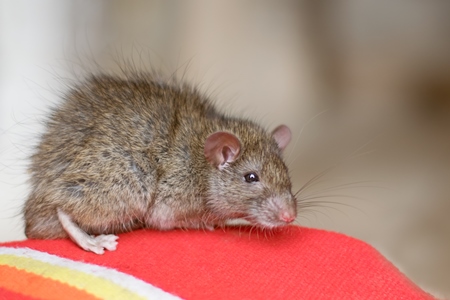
x: 249, y: 178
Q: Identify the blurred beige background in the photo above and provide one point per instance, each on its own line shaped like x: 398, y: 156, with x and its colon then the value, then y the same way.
x: 364, y: 85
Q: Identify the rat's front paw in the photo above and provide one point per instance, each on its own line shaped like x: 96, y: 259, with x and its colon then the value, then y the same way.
x: 209, y: 227
x: 97, y: 244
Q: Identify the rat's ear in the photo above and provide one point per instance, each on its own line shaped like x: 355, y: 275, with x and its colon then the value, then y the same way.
x: 221, y: 148
x: 282, y: 135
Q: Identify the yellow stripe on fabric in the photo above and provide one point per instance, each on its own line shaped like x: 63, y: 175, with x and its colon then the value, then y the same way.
x: 99, y: 287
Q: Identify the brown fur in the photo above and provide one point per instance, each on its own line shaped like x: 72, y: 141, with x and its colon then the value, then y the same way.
x: 121, y: 154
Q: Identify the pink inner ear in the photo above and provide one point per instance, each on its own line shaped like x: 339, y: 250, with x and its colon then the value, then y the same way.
x: 282, y: 135
x: 221, y: 147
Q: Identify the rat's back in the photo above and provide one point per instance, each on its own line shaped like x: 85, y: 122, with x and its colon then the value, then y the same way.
x: 99, y: 157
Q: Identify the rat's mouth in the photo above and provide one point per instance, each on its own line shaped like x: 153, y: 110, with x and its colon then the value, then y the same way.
x: 267, y: 223
x: 272, y: 217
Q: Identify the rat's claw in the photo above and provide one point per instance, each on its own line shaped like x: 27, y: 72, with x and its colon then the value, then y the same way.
x: 107, y: 241
x: 97, y: 244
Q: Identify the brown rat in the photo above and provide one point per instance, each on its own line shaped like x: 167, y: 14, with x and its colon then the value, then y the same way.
x: 122, y: 154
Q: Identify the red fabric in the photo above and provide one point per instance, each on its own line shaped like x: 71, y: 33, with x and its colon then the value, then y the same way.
x: 6, y: 295
x: 290, y: 263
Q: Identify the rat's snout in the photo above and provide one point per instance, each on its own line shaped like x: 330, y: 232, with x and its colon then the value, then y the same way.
x: 287, y: 212
x: 284, y: 209
x: 287, y: 217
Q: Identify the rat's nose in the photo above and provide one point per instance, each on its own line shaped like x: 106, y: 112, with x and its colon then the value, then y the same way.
x: 287, y: 217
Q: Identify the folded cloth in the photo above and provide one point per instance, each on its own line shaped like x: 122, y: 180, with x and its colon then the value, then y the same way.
x: 233, y: 263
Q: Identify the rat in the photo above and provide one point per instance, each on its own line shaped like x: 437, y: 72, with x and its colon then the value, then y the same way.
x: 120, y: 154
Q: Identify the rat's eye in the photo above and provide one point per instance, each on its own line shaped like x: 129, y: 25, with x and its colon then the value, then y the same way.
x: 251, y: 177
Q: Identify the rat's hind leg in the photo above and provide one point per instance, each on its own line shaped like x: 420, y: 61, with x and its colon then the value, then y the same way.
x: 96, y: 244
